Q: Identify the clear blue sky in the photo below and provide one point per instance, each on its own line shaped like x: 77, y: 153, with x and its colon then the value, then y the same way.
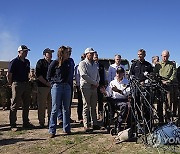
x: 109, y: 26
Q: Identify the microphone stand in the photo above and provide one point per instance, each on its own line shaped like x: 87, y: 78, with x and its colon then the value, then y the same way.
x: 136, y: 90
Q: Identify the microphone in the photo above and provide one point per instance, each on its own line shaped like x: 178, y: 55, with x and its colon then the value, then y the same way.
x: 146, y: 73
x: 132, y: 77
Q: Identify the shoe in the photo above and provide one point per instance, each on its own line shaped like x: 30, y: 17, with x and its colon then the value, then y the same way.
x: 72, y: 121
x: 102, y: 128
x: 52, y: 135
x: 96, y: 127
x: 80, y: 121
x: 41, y: 126
x: 60, y: 122
x: 28, y: 125
x: 66, y: 133
x: 87, y: 130
x: 100, y: 116
x: 175, y: 115
x: 14, y: 129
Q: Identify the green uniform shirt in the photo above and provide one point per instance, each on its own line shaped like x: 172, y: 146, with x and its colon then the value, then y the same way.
x: 166, y: 70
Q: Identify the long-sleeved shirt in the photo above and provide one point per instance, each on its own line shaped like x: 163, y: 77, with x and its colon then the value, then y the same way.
x: 58, y: 74
x: 71, y: 61
x: 89, y: 74
x: 112, y: 71
x: 122, y: 85
x: 41, y: 70
x: 138, y: 69
x: 102, y: 74
x: 166, y: 70
x: 77, y: 76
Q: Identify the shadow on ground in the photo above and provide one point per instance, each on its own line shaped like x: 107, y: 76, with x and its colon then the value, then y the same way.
x: 15, y: 140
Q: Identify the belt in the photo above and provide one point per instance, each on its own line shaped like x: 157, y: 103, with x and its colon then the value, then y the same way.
x: 60, y: 83
x: 21, y: 81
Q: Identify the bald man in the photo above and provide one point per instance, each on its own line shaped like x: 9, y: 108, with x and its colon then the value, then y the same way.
x: 167, y: 70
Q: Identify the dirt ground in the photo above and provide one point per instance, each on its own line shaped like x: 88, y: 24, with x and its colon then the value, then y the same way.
x: 37, y: 140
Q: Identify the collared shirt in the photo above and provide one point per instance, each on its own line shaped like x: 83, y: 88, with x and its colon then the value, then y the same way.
x: 112, y: 71
x: 89, y: 74
x: 59, y: 74
x: 178, y: 74
x: 166, y: 70
x: 122, y: 85
x: 41, y: 70
x: 102, y: 74
x: 138, y: 69
x: 77, y: 76
x: 72, y: 64
x: 19, y: 69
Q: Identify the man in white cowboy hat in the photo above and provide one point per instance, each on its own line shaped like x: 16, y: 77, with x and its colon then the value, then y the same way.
x: 89, y: 81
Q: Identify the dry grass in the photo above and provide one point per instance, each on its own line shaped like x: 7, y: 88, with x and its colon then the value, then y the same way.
x: 36, y: 141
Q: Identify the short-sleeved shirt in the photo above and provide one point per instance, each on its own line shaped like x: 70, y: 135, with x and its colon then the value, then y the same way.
x: 138, y: 69
x: 41, y: 70
x: 19, y: 69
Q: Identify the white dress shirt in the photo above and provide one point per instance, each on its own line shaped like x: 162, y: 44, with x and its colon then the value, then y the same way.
x: 122, y: 85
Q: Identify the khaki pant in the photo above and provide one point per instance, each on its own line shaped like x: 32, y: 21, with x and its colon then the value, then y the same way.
x: 20, y: 93
x: 89, y: 97
x: 175, y: 97
x: 172, y: 101
x: 33, y: 103
x: 44, y: 101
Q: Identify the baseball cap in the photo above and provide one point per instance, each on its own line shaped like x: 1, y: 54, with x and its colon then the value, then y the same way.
x: 47, y: 50
x: 23, y: 48
x: 120, y: 70
x: 89, y: 50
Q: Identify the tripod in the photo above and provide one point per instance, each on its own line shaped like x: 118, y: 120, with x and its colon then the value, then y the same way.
x: 160, y: 97
x: 143, y: 109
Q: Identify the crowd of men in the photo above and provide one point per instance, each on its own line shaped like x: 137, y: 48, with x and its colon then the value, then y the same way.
x: 30, y: 88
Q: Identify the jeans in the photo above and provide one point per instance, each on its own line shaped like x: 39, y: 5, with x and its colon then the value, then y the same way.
x: 60, y: 113
x: 61, y: 95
